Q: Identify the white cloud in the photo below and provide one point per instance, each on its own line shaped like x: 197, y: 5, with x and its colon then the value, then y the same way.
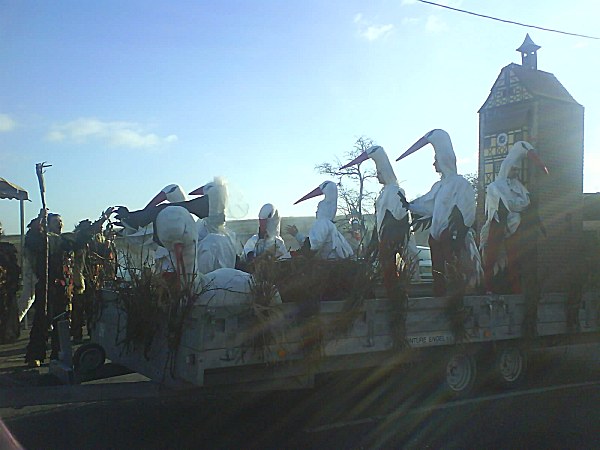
x: 116, y: 134
x: 6, y: 123
x: 435, y: 25
x: 375, y: 32
x: 369, y: 31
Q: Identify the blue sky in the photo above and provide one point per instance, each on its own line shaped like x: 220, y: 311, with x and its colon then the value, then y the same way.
x: 123, y: 98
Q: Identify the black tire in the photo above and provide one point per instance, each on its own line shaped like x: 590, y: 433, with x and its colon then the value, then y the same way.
x: 460, y: 373
x: 510, y: 366
x: 88, y: 358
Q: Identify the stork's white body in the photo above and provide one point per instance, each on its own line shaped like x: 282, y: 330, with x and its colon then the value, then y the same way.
x: 324, y: 236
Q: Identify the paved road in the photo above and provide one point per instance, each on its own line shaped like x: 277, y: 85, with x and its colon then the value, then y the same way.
x: 557, y: 408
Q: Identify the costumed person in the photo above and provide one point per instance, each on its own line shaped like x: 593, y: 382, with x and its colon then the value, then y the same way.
x: 450, y: 206
x: 9, y: 285
x: 324, y: 239
x: 217, y: 246
x: 268, y: 239
x: 27, y: 297
x: 511, y: 218
x: 59, y: 290
x: 138, y: 225
x: 93, y: 255
x: 134, y: 220
x: 222, y: 287
x: 392, y: 235
x: 172, y: 193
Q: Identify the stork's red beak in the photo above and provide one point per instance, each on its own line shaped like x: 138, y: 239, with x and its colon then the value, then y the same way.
x: 533, y: 156
x: 160, y: 197
x: 179, y: 264
x: 311, y: 194
x: 360, y: 158
x: 413, y: 148
x: 199, y: 191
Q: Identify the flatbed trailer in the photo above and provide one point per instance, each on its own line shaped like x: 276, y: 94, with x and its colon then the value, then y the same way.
x: 217, y: 346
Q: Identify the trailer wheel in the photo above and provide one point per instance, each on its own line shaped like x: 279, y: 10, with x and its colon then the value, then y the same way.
x: 510, y: 366
x: 88, y: 358
x: 461, y: 371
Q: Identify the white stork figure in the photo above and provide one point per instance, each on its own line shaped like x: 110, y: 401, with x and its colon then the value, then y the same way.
x: 505, y: 202
x: 171, y: 193
x: 324, y: 238
x: 268, y: 238
x: 392, y: 230
x: 216, y: 245
x: 450, y: 204
x: 177, y: 230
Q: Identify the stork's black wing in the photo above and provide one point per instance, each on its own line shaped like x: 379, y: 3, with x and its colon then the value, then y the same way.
x: 394, y: 230
x: 502, y: 213
x: 420, y: 222
x: 143, y: 217
x: 197, y: 206
x: 456, y: 225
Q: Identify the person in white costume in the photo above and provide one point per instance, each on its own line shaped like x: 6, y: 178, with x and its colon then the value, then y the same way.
x: 268, y: 239
x: 450, y: 205
x: 392, y: 232
x: 171, y: 193
x: 217, y: 246
x: 507, y: 202
x: 324, y: 238
x: 177, y: 230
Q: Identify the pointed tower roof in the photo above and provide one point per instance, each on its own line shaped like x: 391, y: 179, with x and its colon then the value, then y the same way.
x: 528, y: 45
x: 528, y: 51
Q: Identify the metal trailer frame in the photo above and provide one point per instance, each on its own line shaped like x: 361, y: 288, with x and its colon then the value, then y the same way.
x: 214, y: 350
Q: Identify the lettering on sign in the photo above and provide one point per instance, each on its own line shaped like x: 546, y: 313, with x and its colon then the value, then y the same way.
x: 435, y: 339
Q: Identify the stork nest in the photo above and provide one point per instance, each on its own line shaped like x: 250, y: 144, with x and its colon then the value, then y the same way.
x: 307, y: 281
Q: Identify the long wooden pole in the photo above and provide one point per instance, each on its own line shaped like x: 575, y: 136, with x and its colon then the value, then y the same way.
x: 39, y: 170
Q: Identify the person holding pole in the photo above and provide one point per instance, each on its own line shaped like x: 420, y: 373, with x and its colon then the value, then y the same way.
x: 52, y: 258
x: 52, y: 298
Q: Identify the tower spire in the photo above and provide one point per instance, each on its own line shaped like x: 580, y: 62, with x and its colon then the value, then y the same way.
x: 528, y: 50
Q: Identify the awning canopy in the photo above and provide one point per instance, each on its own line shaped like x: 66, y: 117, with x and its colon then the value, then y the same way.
x: 12, y: 191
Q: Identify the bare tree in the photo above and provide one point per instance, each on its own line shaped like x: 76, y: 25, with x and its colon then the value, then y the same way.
x: 474, y: 180
x: 356, y: 198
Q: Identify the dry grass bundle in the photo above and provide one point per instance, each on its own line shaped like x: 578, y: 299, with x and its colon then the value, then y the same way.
x: 303, y: 279
x: 151, y: 301
x: 267, y: 327
x: 306, y: 282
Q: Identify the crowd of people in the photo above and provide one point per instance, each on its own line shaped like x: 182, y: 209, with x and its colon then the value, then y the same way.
x: 63, y: 272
